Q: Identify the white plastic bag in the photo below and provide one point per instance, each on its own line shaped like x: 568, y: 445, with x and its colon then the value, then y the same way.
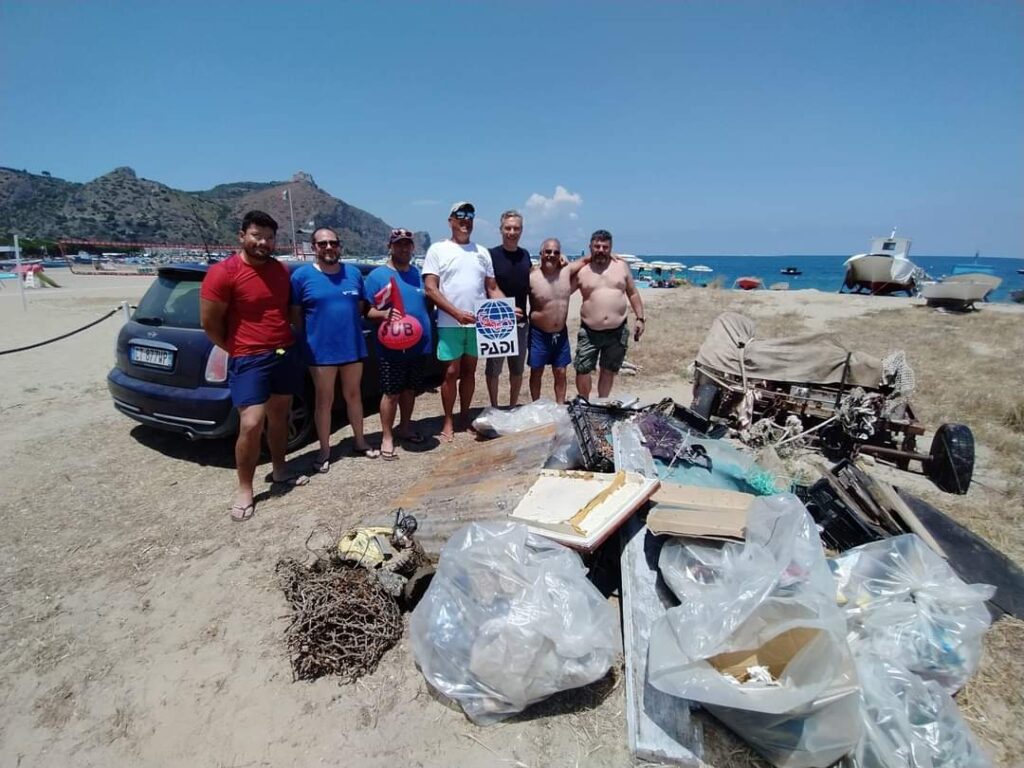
x: 494, y: 422
x: 908, y: 722
x: 909, y: 604
x: 509, y: 619
x: 769, y: 599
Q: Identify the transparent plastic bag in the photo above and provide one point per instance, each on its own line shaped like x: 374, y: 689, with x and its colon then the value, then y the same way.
x: 767, y: 601
x: 908, y: 722
x: 509, y: 619
x: 815, y: 735
x: 565, y: 454
x: 909, y: 604
x: 629, y: 451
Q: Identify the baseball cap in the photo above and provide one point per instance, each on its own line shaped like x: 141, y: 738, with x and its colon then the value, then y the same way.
x: 399, y: 234
x: 462, y: 206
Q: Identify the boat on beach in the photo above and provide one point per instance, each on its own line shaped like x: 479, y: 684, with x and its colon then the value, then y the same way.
x: 959, y: 294
x: 748, y: 283
x: 884, y: 270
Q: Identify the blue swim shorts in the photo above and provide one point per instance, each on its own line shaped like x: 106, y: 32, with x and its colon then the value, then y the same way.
x: 252, y: 379
x: 549, y: 348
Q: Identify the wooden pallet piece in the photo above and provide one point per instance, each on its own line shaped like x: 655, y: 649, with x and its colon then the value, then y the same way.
x: 482, y: 481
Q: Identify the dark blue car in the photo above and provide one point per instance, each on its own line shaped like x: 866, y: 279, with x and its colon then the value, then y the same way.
x: 170, y: 376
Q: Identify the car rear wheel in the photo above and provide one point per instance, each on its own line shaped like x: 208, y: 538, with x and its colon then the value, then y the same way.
x: 952, y: 458
x: 300, y: 421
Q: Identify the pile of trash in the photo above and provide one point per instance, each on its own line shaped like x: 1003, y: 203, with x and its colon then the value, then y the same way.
x: 738, y: 596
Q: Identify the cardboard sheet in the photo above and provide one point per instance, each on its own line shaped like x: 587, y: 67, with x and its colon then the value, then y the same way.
x: 710, y: 513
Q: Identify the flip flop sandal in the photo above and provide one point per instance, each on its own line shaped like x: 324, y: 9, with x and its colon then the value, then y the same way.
x: 292, y: 481
x: 242, y: 512
x: 322, y: 467
x: 415, y: 438
x: 389, y: 456
x: 366, y: 453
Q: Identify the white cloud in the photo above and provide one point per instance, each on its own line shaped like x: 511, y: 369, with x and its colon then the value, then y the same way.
x: 563, y: 204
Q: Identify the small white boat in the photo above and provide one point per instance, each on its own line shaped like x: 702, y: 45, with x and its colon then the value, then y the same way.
x: 884, y: 270
x: 959, y: 291
x: 701, y: 268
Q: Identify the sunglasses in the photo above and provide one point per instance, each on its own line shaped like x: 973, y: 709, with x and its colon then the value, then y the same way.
x: 464, y: 215
x: 400, y: 233
x: 551, y: 251
x: 328, y: 243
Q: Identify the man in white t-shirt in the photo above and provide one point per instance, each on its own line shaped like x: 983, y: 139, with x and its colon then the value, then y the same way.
x: 456, y: 275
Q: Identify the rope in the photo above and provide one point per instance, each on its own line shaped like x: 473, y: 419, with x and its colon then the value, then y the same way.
x: 62, y: 336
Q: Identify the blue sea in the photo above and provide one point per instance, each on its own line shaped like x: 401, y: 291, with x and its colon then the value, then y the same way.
x: 825, y: 273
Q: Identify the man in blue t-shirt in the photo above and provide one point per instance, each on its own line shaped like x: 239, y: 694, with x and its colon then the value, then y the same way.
x: 327, y: 313
x: 401, y: 371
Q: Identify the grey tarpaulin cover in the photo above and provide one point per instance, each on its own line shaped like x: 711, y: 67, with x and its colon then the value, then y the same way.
x: 811, y: 357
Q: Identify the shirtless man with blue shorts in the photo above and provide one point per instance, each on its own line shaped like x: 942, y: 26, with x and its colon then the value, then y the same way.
x: 551, y: 285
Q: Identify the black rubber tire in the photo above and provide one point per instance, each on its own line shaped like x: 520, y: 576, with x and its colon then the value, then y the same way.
x: 951, y: 465
x: 300, y: 421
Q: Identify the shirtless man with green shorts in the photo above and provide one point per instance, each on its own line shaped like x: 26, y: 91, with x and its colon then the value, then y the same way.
x: 607, y: 287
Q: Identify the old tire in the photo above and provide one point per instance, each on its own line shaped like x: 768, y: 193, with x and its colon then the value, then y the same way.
x: 951, y: 462
x: 300, y: 421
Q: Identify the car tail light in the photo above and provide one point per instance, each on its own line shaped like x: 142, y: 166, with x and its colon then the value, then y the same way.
x: 217, y: 366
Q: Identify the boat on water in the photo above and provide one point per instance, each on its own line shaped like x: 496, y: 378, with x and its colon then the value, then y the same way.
x: 884, y: 270
x: 748, y: 283
x: 701, y: 268
x: 790, y: 271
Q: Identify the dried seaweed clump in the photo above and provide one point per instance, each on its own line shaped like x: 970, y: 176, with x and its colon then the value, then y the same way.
x: 343, y: 623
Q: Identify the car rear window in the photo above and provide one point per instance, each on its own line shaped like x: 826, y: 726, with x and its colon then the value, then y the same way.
x: 172, y: 299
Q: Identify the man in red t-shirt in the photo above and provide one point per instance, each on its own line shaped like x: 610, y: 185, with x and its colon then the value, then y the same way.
x: 243, y: 307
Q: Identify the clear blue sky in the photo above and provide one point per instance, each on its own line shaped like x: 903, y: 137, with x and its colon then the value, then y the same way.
x: 687, y: 128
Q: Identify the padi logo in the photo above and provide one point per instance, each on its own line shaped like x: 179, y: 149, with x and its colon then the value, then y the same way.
x: 495, y: 320
x: 496, y: 329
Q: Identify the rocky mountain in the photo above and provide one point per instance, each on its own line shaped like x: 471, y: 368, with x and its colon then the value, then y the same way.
x: 119, y: 206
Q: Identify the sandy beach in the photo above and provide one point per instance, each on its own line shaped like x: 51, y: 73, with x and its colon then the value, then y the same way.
x: 141, y: 627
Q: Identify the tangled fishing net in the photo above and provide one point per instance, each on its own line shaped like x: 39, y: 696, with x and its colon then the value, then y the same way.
x: 344, y: 621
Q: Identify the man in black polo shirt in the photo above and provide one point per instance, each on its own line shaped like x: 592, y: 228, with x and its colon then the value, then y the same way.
x: 512, y: 271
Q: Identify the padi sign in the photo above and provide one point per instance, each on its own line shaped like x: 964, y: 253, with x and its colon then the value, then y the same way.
x: 496, y: 328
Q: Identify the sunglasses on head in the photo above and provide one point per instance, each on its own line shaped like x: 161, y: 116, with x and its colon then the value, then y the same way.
x: 464, y: 215
x: 552, y: 251
x: 326, y: 243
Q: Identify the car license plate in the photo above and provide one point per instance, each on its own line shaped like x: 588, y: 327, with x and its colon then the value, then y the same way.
x: 157, y: 358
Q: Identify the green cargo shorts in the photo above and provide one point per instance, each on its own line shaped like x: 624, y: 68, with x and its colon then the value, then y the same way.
x: 610, y: 346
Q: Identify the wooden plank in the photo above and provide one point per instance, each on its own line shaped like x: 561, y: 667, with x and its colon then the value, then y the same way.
x: 885, y: 494
x: 659, y: 726
x: 482, y: 481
